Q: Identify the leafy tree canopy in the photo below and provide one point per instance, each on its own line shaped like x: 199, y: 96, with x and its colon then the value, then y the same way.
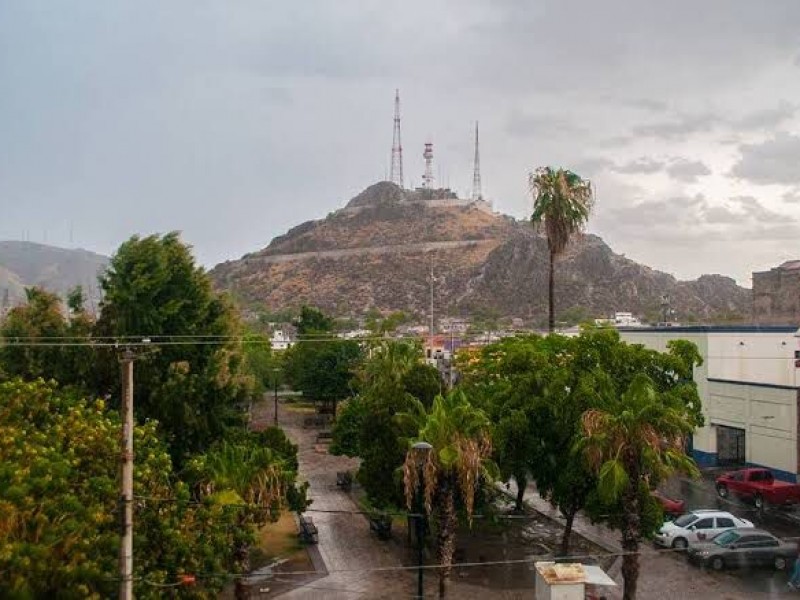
x: 154, y: 289
x: 59, y: 527
x: 312, y: 320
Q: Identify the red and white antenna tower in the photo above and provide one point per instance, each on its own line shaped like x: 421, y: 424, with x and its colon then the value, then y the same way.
x: 396, y: 175
x: 476, y: 174
x: 427, y: 178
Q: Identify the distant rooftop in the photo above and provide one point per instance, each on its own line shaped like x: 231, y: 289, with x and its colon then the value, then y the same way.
x: 790, y: 265
x: 789, y: 328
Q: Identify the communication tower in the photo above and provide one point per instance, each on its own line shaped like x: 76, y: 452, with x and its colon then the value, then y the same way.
x: 396, y: 175
x: 476, y: 174
x: 427, y: 178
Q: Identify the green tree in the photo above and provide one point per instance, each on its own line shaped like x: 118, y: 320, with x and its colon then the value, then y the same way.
x: 322, y: 370
x: 562, y: 204
x: 367, y: 427
x: 634, y: 441
x: 194, y: 386
x: 313, y: 321
x: 59, y: 527
x: 455, y: 466
x: 41, y: 321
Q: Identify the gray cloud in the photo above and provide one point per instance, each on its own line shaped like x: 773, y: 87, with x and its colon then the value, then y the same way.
x: 767, y: 118
x: 792, y: 196
x: 540, y: 125
x: 772, y: 161
x: 643, y: 165
x: 686, y: 170
x: 758, y: 212
x: 679, y: 126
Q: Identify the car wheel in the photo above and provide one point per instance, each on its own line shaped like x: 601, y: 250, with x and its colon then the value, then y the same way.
x: 758, y: 500
x: 680, y: 544
x: 780, y: 563
x: 722, y: 490
x: 717, y: 563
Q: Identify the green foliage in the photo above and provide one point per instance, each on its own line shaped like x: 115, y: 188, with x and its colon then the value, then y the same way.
x: 59, y: 533
x: 313, y: 321
x: 423, y: 382
x: 562, y: 203
x: 41, y: 320
x: 153, y: 288
x: 634, y: 438
x: 380, y: 325
x: 348, y: 427
x: 455, y: 467
x: 260, y: 363
x: 574, y: 315
x: 322, y: 370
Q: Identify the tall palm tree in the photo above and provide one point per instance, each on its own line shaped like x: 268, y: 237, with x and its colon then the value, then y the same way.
x: 562, y: 202
x: 458, y: 461
x: 634, y: 442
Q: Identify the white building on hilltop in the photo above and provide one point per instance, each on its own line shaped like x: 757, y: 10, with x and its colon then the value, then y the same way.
x: 280, y: 340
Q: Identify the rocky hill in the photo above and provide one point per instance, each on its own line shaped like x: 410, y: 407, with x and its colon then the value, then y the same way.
x: 25, y: 264
x: 377, y: 252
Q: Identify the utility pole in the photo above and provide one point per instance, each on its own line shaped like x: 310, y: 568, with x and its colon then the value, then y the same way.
x: 431, y: 329
x: 126, y: 498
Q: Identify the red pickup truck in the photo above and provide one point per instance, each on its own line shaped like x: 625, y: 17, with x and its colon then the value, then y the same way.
x: 758, y: 485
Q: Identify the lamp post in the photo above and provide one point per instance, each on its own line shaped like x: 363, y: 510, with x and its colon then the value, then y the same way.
x: 275, y: 371
x: 421, y: 451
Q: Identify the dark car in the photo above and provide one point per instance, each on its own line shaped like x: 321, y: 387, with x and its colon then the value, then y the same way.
x: 743, y: 547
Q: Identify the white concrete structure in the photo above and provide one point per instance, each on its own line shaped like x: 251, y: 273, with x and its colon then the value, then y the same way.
x: 626, y: 319
x: 568, y: 581
x: 749, y: 386
x: 280, y: 340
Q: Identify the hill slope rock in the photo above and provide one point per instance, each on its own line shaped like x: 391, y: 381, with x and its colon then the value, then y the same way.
x: 26, y: 264
x: 378, y: 252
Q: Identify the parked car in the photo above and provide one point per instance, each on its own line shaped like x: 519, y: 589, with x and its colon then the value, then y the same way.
x: 697, y: 526
x: 743, y: 548
x: 758, y: 485
x: 672, y: 508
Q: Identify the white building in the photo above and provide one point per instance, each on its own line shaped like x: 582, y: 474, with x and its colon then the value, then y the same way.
x: 749, y: 385
x: 626, y: 319
x: 280, y: 340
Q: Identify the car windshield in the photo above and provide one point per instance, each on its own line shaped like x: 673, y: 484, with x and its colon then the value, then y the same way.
x: 725, y: 538
x: 685, y: 520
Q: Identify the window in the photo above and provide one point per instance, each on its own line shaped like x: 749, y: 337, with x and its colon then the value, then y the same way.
x: 725, y: 538
x: 685, y: 520
x: 723, y: 522
x: 737, y: 476
x: 705, y: 523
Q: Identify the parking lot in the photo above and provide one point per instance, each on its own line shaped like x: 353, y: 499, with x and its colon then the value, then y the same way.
x: 781, y: 522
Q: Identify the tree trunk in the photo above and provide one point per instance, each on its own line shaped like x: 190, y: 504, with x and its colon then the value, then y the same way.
x: 447, y: 533
x: 522, y: 483
x: 551, y: 320
x: 569, y: 515
x: 630, y: 543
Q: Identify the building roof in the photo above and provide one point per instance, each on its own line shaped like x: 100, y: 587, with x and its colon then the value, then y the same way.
x: 790, y: 265
x: 715, y: 329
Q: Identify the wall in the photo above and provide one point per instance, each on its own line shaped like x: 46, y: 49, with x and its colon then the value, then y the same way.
x: 748, y: 381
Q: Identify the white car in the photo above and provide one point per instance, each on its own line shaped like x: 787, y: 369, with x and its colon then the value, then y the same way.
x: 697, y: 526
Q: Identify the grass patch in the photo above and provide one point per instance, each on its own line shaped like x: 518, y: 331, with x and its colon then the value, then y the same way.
x: 277, y: 540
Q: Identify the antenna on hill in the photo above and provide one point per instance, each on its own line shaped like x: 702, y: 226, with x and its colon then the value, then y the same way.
x: 476, y: 173
x: 396, y: 176
x: 427, y: 178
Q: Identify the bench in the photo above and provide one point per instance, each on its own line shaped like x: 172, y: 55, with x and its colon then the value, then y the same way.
x: 381, y: 524
x: 316, y: 421
x: 344, y: 480
x: 324, y: 437
x: 308, y: 533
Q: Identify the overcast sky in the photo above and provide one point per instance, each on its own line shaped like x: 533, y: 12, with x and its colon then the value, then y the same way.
x: 233, y: 121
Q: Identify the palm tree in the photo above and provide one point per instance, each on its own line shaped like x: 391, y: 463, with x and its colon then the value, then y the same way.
x: 455, y: 466
x: 562, y: 202
x: 633, y: 443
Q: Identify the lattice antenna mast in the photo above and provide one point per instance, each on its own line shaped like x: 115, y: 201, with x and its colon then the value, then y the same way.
x: 396, y: 175
x: 427, y: 178
x: 476, y: 174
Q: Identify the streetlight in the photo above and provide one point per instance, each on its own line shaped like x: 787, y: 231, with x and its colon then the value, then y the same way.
x: 275, y: 371
x: 421, y: 451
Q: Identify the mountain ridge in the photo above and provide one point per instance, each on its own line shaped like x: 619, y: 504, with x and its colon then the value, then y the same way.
x: 376, y: 253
